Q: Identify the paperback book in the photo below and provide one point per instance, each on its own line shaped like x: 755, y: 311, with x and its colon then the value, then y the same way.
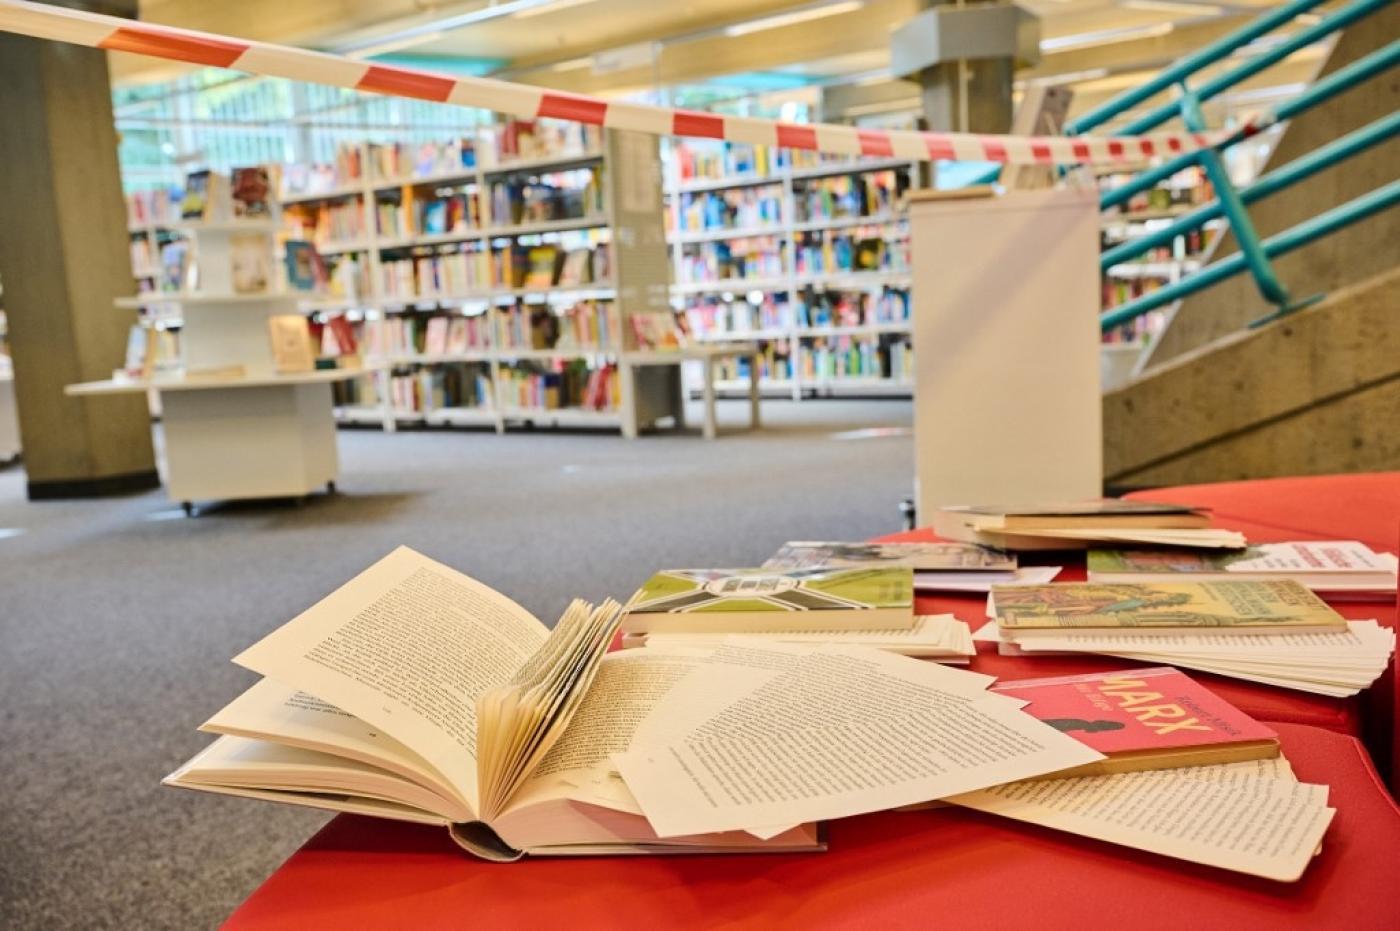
x: 1154, y: 718
x: 921, y: 557
x: 1334, y: 566
x: 1028, y: 611
x: 772, y: 601
x: 1075, y: 526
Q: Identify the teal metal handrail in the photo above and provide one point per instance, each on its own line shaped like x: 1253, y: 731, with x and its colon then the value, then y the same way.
x: 1255, y: 253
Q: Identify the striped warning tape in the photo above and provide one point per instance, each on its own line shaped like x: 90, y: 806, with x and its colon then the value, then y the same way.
x: 121, y: 35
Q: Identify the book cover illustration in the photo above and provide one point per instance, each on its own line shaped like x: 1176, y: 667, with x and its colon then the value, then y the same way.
x: 765, y: 590
x: 1328, y: 556
x: 195, y: 204
x: 252, y: 190
x: 251, y: 256
x: 1282, y: 604
x: 1136, y: 710
x: 922, y: 557
x: 305, y: 272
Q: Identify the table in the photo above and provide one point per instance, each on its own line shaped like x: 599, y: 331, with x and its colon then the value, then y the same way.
x: 947, y: 867
x: 705, y: 353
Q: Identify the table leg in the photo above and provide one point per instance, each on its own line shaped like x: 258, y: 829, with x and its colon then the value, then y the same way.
x: 709, y: 391
x: 629, y: 399
x: 753, y: 390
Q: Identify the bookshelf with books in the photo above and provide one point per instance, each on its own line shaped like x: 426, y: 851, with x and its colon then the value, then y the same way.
x: 489, y: 275
x: 807, y: 254
x: 245, y: 403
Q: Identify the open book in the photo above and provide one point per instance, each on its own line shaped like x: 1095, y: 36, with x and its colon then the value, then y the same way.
x: 414, y: 692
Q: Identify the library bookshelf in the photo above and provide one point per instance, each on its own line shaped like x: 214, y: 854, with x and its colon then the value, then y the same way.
x: 234, y: 427
x: 805, y: 255
x: 501, y: 280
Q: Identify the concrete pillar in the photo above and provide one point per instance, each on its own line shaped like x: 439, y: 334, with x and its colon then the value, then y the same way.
x: 64, y: 257
x: 963, y: 58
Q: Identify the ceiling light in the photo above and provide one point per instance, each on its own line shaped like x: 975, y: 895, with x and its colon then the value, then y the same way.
x: 395, y: 45
x: 1104, y: 37
x: 789, y: 19
x: 573, y: 64
x: 1173, y: 6
x: 554, y: 7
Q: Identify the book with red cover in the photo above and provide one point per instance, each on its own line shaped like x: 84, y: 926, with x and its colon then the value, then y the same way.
x: 1153, y: 718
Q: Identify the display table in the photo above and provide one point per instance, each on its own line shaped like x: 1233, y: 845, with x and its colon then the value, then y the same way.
x: 945, y: 868
x: 707, y: 354
x: 939, y: 868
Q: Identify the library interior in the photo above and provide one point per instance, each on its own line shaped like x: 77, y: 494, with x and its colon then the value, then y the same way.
x: 999, y: 400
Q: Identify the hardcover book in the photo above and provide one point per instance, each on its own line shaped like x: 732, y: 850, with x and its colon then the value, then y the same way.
x: 921, y: 557
x: 252, y: 191
x: 292, y: 350
x: 1154, y: 718
x: 1235, y: 607
x: 773, y: 600
x: 251, y: 255
x: 305, y: 269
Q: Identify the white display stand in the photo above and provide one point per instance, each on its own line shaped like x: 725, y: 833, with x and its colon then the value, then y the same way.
x: 9, y: 416
x: 249, y: 433
x: 1007, y: 403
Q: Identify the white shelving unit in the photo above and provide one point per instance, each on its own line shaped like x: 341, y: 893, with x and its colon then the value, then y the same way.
x: 631, y: 224
x: 791, y: 284
x: 235, y: 428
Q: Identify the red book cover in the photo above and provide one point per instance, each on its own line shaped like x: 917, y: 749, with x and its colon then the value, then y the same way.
x: 1137, y: 711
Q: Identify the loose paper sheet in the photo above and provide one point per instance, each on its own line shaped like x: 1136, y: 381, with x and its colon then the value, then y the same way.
x: 1263, y: 826
x: 773, y: 736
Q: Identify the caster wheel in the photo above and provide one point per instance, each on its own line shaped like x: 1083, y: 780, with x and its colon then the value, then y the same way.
x: 330, y: 487
x: 188, y: 508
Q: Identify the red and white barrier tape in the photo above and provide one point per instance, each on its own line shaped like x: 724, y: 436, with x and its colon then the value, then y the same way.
x: 121, y: 35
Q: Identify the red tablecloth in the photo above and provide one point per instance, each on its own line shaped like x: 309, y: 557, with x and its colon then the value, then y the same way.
x: 945, y: 868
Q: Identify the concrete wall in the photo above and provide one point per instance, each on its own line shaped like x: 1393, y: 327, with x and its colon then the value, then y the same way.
x: 1316, y: 392
x: 1347, y: 257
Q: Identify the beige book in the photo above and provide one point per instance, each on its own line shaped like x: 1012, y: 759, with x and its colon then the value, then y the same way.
x: 292, y: 351
x: 414, y: 692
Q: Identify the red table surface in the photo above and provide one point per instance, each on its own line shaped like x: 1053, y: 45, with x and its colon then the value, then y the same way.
x: 945, y: 868
x: 1363, y: 507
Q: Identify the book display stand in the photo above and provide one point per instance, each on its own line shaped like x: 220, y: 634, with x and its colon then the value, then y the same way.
x: 234, y: 427
x: 807, y: 255
x: 500, y: 285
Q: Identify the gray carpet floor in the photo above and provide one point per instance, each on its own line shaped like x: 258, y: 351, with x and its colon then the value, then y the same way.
x: 118, y: 616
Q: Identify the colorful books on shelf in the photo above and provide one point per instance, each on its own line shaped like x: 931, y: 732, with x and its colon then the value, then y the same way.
x: 206, y: 197
x: 329, y: 225
x: 1141, y: 719
x: 654, y: 331
x: 1334, y: 567
x: 560, y: 385
x: 1076, y: 525
x: 292, y: 349
x: 575, y: 194
x: 530, y: 140
x: 756, y: 257
x: 153, y: 208
x: 306, y: 270
x: 856, y: 195
x: 722, y: 160
x: 251, y: 190
x: 251, y: 256
x: 939, y: 637
x: 741, y: 209
x: 772, y: 601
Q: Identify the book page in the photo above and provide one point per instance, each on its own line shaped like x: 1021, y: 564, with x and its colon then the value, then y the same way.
x: 628, y: 686
x: 406, y: 646
x: 1266, y: 827
x: 282, y: 714
x: 775, y: 736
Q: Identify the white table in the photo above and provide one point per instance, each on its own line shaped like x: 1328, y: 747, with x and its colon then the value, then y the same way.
x: 9, y: 416
x: 708, y: 354
x: 230, y: 437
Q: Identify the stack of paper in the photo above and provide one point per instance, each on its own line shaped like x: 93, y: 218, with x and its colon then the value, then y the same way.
x: 1340, y: 568
x: 1253, y: 817
x: 1339, y: 663
x: 940, y: 637
x: 979, y: 584
x: 1074, y: 526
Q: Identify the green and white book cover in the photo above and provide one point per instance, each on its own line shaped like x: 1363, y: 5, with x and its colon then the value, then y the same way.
x: 739, y: 600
